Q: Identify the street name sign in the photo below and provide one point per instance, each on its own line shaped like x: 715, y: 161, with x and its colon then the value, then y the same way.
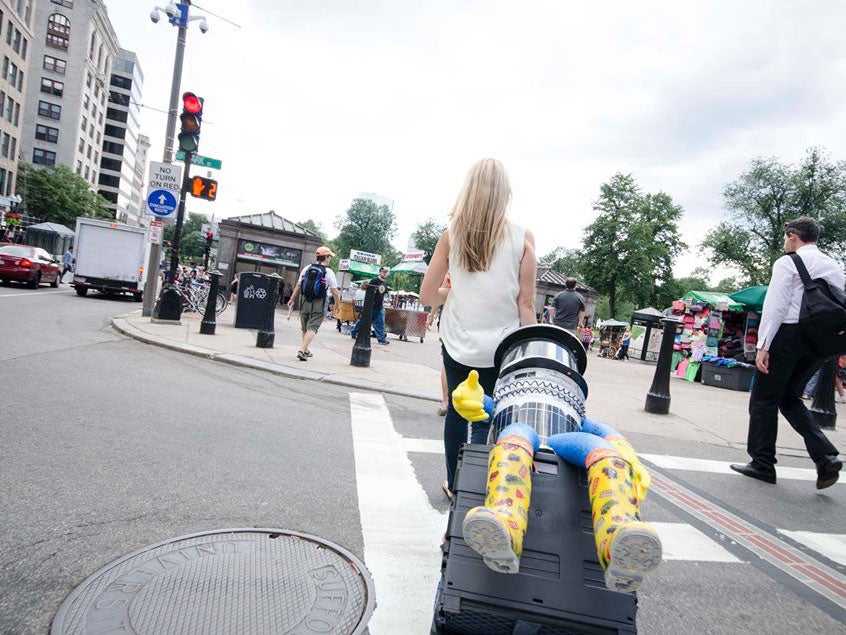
x: 203, y: 162
x: 161, y: 202
x: 164, y: 176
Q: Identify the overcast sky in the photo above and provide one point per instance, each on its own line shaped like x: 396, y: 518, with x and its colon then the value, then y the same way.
x: 311, y: 102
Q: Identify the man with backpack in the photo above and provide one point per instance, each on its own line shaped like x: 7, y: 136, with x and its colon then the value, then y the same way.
x: 788, y: 355
x: 315, y: 281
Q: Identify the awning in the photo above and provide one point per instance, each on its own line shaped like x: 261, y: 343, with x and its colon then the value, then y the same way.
x: 648, y: 314
x: 613, y: 323
x: 411, y: 266
x: 713, y: 299
x: 51, y: 228
x: 361, y: 268
x: 751, y: 297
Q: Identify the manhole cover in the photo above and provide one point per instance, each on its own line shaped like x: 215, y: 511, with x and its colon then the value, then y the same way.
x: 227, y: 581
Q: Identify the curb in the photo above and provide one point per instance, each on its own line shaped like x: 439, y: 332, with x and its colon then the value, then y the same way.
x: 122, y: 325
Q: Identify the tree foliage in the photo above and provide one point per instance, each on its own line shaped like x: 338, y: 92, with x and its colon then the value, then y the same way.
x: 193, y: 241
x: 366, y: 226
x: 766, y: 196
x: 426, y: 236
x: 315, y: 228
x: 629, y: 249
x: 58, y: 195
x: 563, y: 260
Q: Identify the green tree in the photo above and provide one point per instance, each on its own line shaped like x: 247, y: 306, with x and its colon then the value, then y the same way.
x: 426, y: 236
x: 366, y: 226
x: 562, y: 260
x: 315, y: 228
x: 193, y: 241
x: 767, y: 195
x: 629, y: 249
x: 58, y: 195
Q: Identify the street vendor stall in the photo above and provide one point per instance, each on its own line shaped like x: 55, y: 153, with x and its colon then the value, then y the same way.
x: 406, y: 317
x: 752, y: 298
x: 348, y: 309
x: 610, y: 337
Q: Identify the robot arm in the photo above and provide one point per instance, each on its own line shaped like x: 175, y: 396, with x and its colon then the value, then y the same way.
x: 470, y: 400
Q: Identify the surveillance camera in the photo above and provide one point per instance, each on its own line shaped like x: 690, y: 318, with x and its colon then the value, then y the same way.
x: 154, y: 16
x: 172, y: 10
x: 204, y: 26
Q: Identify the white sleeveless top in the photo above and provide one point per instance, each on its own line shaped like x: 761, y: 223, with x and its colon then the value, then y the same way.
x: 482, y: 306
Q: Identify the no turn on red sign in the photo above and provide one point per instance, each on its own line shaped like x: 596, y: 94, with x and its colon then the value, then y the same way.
x: 164, y: 176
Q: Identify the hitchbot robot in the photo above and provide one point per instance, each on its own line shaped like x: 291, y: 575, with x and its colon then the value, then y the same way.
x: 544, y: 532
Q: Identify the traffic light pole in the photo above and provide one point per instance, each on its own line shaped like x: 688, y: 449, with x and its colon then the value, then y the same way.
x: 155, y: 250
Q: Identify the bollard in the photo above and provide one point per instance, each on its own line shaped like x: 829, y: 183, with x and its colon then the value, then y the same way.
x: 658, y: 397
x: 822, y: 409
x: 209, y: 323
x: 266, y: 335
x: 361, y: 349
x: 169, y: 304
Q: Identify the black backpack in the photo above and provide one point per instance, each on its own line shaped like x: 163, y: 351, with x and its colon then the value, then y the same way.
x: 822, y: 315
x: 313, y: 284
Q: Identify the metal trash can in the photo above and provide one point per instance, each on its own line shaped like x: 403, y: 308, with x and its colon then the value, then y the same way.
x: 254, y: 300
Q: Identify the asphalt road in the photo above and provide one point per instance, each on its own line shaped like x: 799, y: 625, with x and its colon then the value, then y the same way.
x: 108, y: 445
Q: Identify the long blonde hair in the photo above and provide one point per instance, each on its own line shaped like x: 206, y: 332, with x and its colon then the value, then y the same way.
x: 478, y: 222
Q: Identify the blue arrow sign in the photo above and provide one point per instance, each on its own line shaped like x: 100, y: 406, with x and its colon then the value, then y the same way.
x: 161, y: 202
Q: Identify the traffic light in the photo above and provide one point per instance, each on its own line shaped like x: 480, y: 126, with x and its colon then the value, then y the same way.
x: 202, y: 187
x: 191, y: 119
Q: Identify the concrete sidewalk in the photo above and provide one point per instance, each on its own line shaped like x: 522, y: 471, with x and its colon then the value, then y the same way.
x: 411, y: 368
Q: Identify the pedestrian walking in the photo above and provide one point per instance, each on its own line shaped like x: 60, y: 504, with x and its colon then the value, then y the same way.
x: 623, y: 352
x: 786, y: 359
x: 378, y: 318
x: 492, y: 268
x: 67, y: 262
x: 315, y: 281
x: 569, y: 308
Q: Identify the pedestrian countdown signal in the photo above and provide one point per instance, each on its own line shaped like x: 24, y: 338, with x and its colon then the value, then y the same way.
x: 202, y: 187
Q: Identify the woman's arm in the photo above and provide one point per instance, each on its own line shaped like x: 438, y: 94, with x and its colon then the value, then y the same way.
x: 431, y: 292
x: 528, y: 275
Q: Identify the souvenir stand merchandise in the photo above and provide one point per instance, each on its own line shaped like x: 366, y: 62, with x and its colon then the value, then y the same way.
x: 752, y: 298
x: 713, y: 326
x: 405, y: 317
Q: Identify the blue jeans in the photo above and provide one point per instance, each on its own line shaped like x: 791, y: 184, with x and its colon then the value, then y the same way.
x: 378, y: 325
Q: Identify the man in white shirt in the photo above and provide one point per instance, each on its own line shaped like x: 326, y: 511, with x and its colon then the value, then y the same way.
x: 786, y: 360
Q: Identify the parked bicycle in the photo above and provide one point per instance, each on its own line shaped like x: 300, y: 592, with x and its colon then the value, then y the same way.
x: 195, y: 295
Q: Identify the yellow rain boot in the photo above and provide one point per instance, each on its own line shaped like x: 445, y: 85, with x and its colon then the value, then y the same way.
x: 628, y: 548
x: 496, y: 530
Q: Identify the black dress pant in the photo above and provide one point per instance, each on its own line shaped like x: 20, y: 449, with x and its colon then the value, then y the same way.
x: 792, y: 362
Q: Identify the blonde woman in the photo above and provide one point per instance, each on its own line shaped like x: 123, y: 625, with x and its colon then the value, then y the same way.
x: 492, y: 267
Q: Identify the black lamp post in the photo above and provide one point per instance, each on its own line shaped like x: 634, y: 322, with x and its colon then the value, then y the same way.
x: 209, y: 323
x: 361, y: 349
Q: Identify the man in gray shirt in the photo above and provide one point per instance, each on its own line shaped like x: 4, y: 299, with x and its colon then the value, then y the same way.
x: 569, y: 307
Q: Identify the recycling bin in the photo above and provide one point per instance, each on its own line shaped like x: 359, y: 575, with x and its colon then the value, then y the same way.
x: 254, y: 301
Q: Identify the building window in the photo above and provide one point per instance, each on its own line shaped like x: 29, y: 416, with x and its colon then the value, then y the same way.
x: 65, y: 3
x: 9, y: 109
x: 109, y: 181
x: 20, y: 81
x: 14, y: 148
x: 96, y: 156
x: 46, y: 133
x: 121, y: 82
x: 4, y: 146
x: 52, y: 87
x: 115, y: 131
x: 88, y: 152
x: 81, y: 145
x: 110, y: 164
x: 117, y: 115
x: 17, y: 113
x: 55, y: 64
x: 10, y: 28
x: 3, y: 179
x: 13, y: 74
x: 118, y: 98
x: 83, y: 124
x: 51, y: 111
x: 91, y: 130
x: 87, y: 172
x: 24, y: 47
x: 16, y: 41
x: 5, y: 72
x: 79, y: 167
x: 43, y: 157
x: 88, y: 80
x: 58, y: 31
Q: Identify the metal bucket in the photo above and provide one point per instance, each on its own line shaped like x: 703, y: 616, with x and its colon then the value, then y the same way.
x: 540, y: 381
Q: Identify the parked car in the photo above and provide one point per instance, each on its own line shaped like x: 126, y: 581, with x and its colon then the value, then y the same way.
x: 31, y: 265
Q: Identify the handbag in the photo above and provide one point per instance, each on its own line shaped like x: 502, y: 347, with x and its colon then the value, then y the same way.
x: 822, y: 314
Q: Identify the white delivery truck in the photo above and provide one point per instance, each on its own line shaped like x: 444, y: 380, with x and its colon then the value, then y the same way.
x: 110, y: 257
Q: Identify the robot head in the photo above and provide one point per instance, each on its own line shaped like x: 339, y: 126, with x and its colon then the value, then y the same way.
x: 540, y: 381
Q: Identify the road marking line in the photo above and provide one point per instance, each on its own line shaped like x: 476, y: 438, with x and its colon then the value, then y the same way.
x: 427, y: 446
x: 38, y: 293
x: 681, y: 541
x: 401, y: 530
x: 722, y: 467
x: 832, y: 546
x: 824, y: 580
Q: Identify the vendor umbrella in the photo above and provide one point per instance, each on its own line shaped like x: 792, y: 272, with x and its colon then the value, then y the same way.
x: 751, y: 297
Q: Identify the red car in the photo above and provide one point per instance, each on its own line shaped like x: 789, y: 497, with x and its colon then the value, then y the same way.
x: 28, y: 264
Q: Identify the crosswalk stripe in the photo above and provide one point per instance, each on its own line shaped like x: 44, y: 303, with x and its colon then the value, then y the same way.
x: 400, y: 528
x: 681, y: 541
x: 685, y: 463
x: 832, y: 546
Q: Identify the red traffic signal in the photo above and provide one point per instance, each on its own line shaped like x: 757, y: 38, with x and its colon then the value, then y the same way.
x: 192, y: 104
x: 191, y: 119
x: 202, y: 187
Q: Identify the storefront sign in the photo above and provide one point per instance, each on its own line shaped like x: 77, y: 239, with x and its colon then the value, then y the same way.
x: 366, y: 257
x: 344, y: 264
x: 413, y: 256
x: 273, y: 254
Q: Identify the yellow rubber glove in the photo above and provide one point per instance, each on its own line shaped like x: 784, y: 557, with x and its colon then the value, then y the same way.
x: 468, y: 398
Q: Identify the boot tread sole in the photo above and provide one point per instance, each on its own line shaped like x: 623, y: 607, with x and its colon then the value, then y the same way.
x: 635, y: 551
x: 487, y: 536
